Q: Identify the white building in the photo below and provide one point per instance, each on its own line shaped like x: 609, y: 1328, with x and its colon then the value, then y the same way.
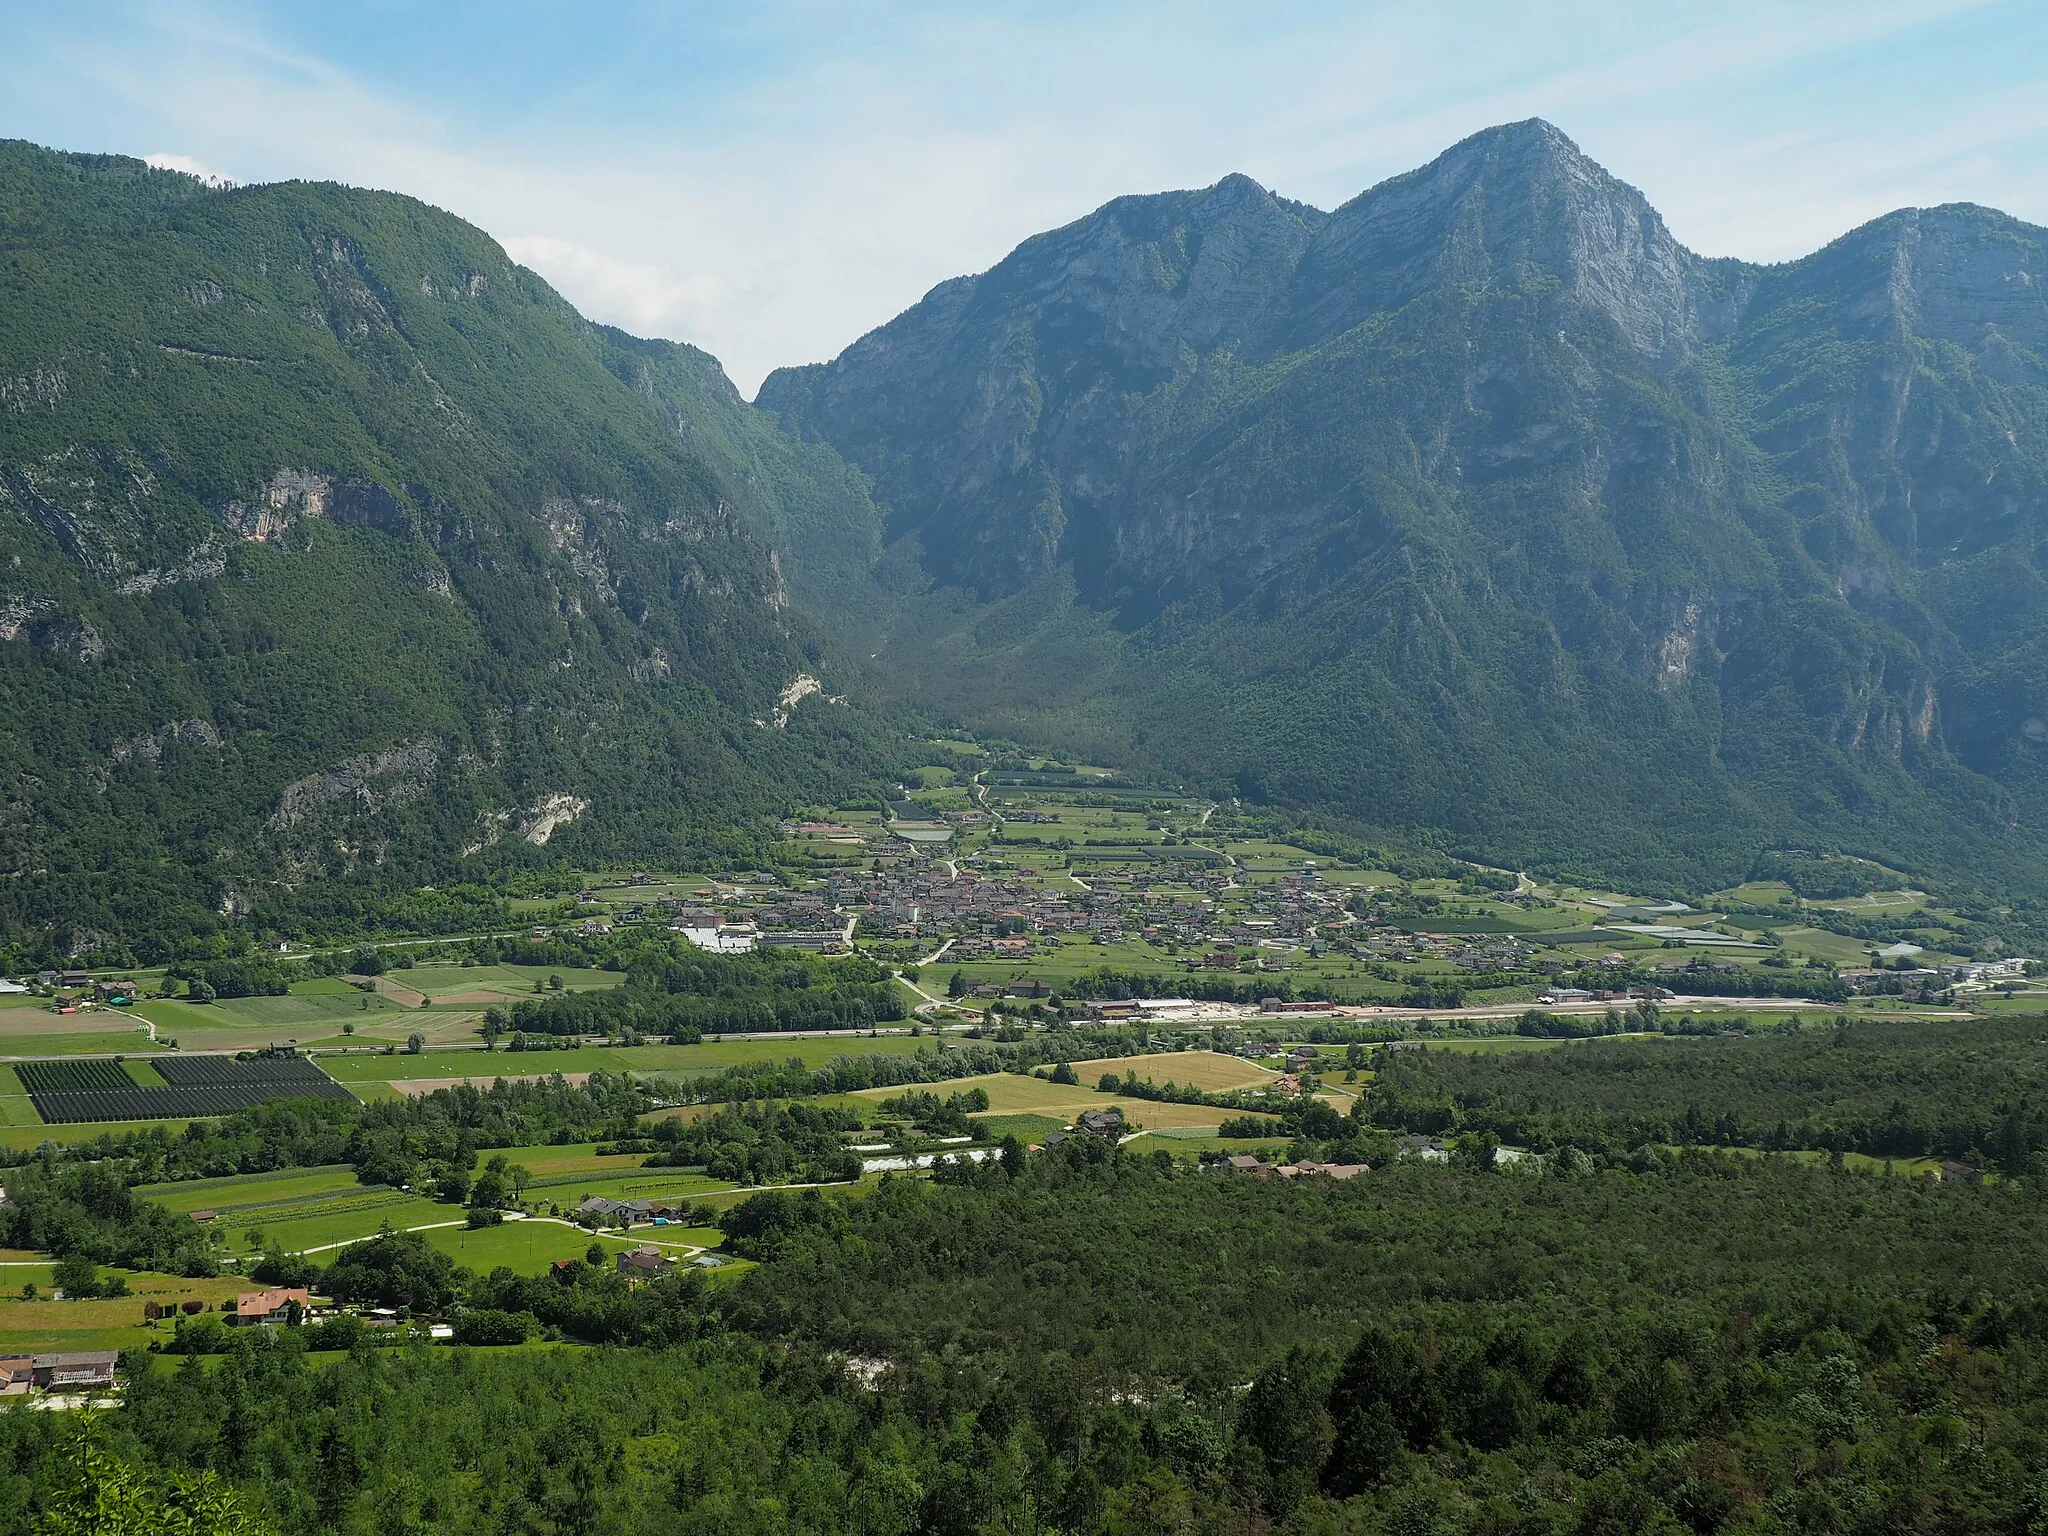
x: 723, y: 941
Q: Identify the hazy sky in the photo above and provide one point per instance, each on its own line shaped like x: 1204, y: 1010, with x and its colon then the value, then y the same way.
x: 770, y: 178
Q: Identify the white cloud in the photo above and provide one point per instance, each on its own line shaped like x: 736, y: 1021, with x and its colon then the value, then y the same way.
x: 773, y: 210
x: 647, y: 299
x: 192, y: 167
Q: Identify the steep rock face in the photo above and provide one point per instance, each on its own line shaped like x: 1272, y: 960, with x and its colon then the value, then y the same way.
x: 1509, y: 200
x: 357, y: 526
x: 1482, y: 505
x: 1051, y: 354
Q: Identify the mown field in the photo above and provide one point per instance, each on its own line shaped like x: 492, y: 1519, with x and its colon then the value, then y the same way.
x: 532, y: 1245
x: 1009, y: 1094
x: 1210, y: 1071
x: 32, y: 1327
x: 21, y: 1137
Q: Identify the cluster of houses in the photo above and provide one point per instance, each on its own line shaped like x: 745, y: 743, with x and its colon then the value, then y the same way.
x: 75, y: 991
x: 602, y: 1210
x: 1472, y: 952
x: 89, y: 1370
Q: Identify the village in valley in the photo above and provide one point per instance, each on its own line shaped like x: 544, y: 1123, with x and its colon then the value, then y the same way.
x: 1040, y: 950
x: 1002, y: 875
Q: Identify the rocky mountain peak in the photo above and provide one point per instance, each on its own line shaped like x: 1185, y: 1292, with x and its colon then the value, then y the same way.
x: 1954, y: 273
x: 1520, y: 196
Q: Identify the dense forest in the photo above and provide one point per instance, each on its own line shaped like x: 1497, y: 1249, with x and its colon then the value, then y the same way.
x: 1974, y: 1089
x: 1100, y: 1340
x: 678, y: 992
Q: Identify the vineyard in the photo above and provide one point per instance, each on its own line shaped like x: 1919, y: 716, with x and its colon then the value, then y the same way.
x: 84, y: 1092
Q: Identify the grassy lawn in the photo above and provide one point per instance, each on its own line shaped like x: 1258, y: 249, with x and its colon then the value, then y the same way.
x: 1011, y: 1095
x: 482, y: 985
x: 94, y: 1039
x: 1908, y: 1167
x: 328, y: 1011
x: 551, y: 1162
x: 1822, y: 945
x: 298, y: 1209
x: 1059, y: 962
x: 1274, y: 853
x: 31, y: 1327
x: 15, y: 1106
x: 1192, y: 1145
x: 23, y: 1137
x: 2009, y: 1002
x: 531, y: 1246
x: 567, y: 1190
x: 1029, y: 1129
x: 341, y: 1218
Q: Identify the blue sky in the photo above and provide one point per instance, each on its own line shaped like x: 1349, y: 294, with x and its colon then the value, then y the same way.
x: 771, y: 178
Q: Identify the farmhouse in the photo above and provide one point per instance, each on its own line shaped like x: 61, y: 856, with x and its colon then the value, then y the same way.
x: 604, y: 1208
x: 16, y: 1371
x: 1100, y: 1122
x: 274, y: 1306
x: 646, y: 1264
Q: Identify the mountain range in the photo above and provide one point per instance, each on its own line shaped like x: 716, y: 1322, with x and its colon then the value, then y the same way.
x: 1482, y: 508
x: 337, y: 549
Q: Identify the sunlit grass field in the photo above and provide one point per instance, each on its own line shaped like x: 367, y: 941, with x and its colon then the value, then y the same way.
x: 1009, y: 1094
x: 1210, y: 1071
x: 531, y: 1246
x: 33, y: 1327
x: 250, y: 1190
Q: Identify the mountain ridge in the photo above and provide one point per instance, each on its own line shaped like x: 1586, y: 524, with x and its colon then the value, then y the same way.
x: 1488, y: 412
x: 335, y: 547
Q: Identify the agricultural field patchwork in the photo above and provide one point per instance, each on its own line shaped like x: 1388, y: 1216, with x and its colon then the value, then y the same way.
x: 100, y: 1090
x: 296, y: 1210
x: 248, y: 1191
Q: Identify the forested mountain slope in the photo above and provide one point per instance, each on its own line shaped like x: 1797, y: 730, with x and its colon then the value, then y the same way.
x: 1482, y: 507
x: 333, y: 544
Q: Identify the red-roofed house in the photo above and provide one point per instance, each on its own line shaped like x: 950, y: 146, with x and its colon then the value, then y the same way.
x: 271, y: 1306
